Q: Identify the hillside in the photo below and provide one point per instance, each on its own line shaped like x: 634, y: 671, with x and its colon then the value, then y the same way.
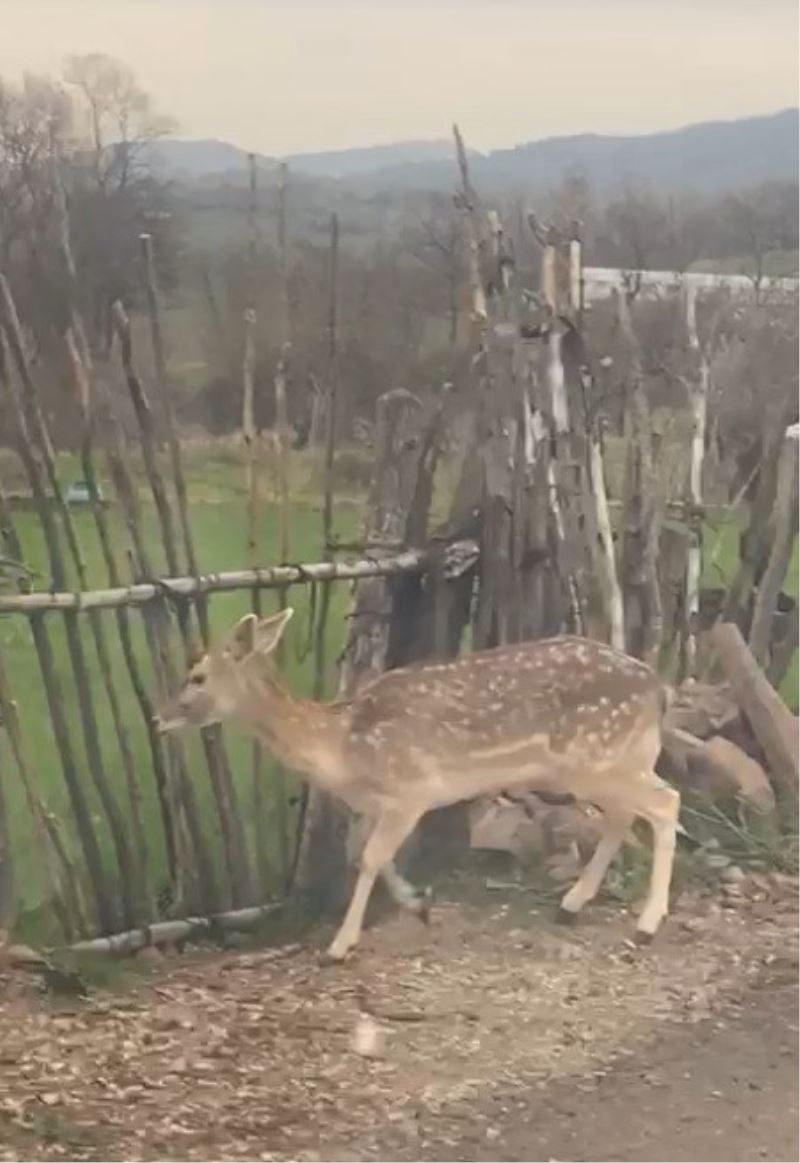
x: 709, y: 157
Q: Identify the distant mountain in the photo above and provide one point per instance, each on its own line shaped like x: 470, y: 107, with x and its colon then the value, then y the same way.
x: 346, y: 163
x: 711, y: 157
x: 190, y: 159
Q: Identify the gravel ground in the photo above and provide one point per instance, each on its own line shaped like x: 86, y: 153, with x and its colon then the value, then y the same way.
x: 497, y: 1034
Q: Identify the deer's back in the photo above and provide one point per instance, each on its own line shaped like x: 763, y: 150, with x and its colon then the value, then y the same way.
x: 564, y: 692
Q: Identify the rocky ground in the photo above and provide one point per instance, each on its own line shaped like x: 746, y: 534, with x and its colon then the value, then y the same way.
x: 492, y: 1034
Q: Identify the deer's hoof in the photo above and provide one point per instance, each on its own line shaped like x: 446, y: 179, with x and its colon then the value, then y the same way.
x: 642, y: 937
x: 565, y: 916
x: 423, y: 902
x: 333, y: 957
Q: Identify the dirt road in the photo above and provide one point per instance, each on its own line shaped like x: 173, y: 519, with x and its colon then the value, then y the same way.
x: 507, y: 1037
x: 721, y: 1090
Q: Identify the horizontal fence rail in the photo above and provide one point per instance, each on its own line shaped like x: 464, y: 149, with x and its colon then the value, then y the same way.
x: 272, y: 577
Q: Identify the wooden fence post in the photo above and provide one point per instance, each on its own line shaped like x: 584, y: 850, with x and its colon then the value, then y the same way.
x: 231, y: 824
x: 783, y: 533
x: 641, y: 520
x: 773, y: 725
x: 321, y: 823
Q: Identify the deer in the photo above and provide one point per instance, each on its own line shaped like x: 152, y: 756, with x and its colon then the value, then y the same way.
x: 558, y: 715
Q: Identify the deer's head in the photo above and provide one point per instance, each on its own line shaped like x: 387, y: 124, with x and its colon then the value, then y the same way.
x: 215, y: 683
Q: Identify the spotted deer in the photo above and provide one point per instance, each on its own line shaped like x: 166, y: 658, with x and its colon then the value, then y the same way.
x: 558, y: 715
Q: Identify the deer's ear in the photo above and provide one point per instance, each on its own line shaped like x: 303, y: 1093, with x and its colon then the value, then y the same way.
x: 241, y: 640
x: 269, y: 631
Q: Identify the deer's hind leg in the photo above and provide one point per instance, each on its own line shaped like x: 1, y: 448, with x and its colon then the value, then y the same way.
x: 616, y: 826
x: 660, y: 806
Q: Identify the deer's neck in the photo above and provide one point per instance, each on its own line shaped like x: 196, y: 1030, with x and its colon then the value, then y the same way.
x: 301, y: 734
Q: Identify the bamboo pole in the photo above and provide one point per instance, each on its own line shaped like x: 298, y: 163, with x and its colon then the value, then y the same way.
x: 22, y: 407
x: 221, y: 782
x: 330, y: 450
x: 64, y: 890
x: 213, y: 740
x: 266, y: 577
x: 783, y: 528
x: 80, y: 366
x: 253, y: 449
x: 139, y: 858
x: 81, y: 373
x: 43, y: 821
x: 250, y: 437
x: 281, y: 373
x: 165, y: 399
x: 284, y: 490
x: 7, y: 861
x: 177, y: 789
x: 314, y: 807
x: 698, y: 393
x: 131, y: 873
x: 641, y: 519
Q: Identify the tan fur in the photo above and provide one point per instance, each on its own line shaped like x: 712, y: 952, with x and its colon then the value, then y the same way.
x: 561, y: 715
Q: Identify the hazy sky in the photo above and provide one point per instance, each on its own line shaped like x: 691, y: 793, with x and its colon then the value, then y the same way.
x: 281, y: 76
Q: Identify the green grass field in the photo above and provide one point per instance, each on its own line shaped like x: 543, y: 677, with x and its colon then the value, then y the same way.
x: 218, y: 515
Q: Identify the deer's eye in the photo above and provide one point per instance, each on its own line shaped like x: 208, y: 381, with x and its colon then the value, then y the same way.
x: 197, y: 679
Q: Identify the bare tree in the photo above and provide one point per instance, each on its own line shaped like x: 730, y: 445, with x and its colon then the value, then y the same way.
x: 120, y: 116
x: 436, y: 239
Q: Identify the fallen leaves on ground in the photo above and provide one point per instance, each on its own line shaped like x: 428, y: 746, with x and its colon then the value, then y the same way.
x: 261, y: 1054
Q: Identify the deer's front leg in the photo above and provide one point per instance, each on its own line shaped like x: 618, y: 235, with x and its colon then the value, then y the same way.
x: 390, y: 830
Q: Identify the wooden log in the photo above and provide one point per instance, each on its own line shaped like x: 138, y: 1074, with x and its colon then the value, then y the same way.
x: 723, y: 772
x: 185, y: 929
x: 775, y: 727
x: 702, y: 709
